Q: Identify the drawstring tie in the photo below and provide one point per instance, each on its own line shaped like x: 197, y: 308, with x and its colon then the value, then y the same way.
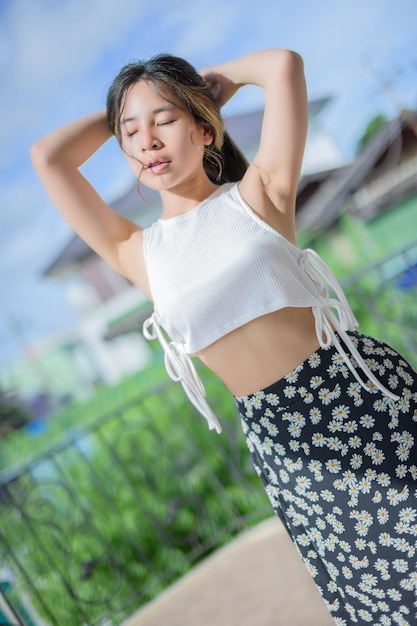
x: 181, y: 369
x: 333, y: 318
x: 327, y: 322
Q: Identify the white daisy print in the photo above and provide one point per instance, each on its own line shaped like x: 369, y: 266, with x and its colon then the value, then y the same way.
x: 325, y: 396
x: 315, y: 415
x: 290, y: 391
x: 367, y: 421
x: 339, y: 467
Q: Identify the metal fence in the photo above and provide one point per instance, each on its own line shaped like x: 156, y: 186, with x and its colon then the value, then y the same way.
x: 104, y: 520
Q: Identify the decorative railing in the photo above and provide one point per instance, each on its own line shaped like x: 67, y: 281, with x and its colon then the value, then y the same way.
x: 103, y: 521
x: 100, y: 523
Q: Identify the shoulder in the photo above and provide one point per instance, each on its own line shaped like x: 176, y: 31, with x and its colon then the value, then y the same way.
x: 223, y: 193
x: 223, y: 197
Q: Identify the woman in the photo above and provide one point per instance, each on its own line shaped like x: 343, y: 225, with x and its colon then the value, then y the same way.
x: 329, y: 415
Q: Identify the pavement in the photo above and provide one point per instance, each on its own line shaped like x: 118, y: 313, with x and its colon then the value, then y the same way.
x: 258, y: 579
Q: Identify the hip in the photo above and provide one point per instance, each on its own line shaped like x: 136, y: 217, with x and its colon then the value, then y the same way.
x: 324, y: 375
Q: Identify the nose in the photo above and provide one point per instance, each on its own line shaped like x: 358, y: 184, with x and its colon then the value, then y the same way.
x: 149, y: 141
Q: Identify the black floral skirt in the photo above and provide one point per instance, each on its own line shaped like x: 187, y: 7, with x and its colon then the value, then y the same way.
x: 339, y: 465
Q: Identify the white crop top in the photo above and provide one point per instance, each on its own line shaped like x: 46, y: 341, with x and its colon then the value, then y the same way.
x: 219, y: 266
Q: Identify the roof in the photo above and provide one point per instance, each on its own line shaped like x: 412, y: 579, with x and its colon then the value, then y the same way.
x: 76, y: 249
x: 246, y: 127
x: 328, y: 201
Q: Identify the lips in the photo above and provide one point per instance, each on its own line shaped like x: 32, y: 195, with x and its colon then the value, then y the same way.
x: 155, y: 163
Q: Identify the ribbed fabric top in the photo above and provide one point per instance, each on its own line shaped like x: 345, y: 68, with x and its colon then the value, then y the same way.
x: 219, y: 266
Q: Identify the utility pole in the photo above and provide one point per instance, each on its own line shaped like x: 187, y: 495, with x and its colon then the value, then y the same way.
x: 385, y: 85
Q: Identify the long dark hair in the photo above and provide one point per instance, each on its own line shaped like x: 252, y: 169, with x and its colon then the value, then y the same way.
x: 223, y: 161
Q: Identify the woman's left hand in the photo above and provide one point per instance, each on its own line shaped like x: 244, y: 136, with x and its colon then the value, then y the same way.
x: 222, y: 87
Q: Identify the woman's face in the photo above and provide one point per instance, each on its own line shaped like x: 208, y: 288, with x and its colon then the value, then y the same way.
x: 163, y: 145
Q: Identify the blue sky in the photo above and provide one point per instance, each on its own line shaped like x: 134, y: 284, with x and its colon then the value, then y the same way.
x: 57, y: 58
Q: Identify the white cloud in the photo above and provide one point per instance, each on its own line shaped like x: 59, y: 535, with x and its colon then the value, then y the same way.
x: 48, y: 51
x: 52, y: 42
x: 198, y: 33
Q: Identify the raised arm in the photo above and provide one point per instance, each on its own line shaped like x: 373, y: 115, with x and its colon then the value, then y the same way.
x: 277, y: 164
x: 56, y: 159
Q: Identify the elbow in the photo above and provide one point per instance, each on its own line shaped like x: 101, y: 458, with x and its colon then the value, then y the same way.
x: 290, y: 62
x: 39, y: 156
x: 35, y: 154
x: 288, y: 73
x: 45, y: 156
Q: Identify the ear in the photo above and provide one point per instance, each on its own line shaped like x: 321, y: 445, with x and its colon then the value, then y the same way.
x: 208, y: 135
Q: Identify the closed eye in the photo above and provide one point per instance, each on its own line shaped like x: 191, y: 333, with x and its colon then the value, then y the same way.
x: 165, y: 123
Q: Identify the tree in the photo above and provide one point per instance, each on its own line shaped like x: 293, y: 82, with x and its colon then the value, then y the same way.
x: 376, y: 123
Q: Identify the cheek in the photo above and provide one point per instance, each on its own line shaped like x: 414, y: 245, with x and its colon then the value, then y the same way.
x: 192, y: 145
x: 134, y: 164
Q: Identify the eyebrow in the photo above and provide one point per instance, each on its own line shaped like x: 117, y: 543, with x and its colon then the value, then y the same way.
x: 154, y: 112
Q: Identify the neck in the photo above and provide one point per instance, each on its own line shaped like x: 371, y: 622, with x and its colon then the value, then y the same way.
x: 184, y: 197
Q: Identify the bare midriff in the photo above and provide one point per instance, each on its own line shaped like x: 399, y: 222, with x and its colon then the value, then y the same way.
x: 261, y: 352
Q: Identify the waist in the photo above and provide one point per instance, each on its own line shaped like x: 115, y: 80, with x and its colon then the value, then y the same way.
x: 263, y: 350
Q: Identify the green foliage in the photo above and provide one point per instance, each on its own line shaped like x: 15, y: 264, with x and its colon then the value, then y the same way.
x: 372, y: 128
x: 18, y: 448
x: 13, y: 413
x: 394, y: 228
x: 382, y: 308
x: 386, y: 312
x: 130, y: 505
x: 145, y: 490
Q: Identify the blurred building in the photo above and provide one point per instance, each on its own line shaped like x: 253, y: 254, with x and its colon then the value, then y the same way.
x: 383, y: 176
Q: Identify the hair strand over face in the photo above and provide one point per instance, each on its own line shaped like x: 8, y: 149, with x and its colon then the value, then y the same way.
x: 176, y: 81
